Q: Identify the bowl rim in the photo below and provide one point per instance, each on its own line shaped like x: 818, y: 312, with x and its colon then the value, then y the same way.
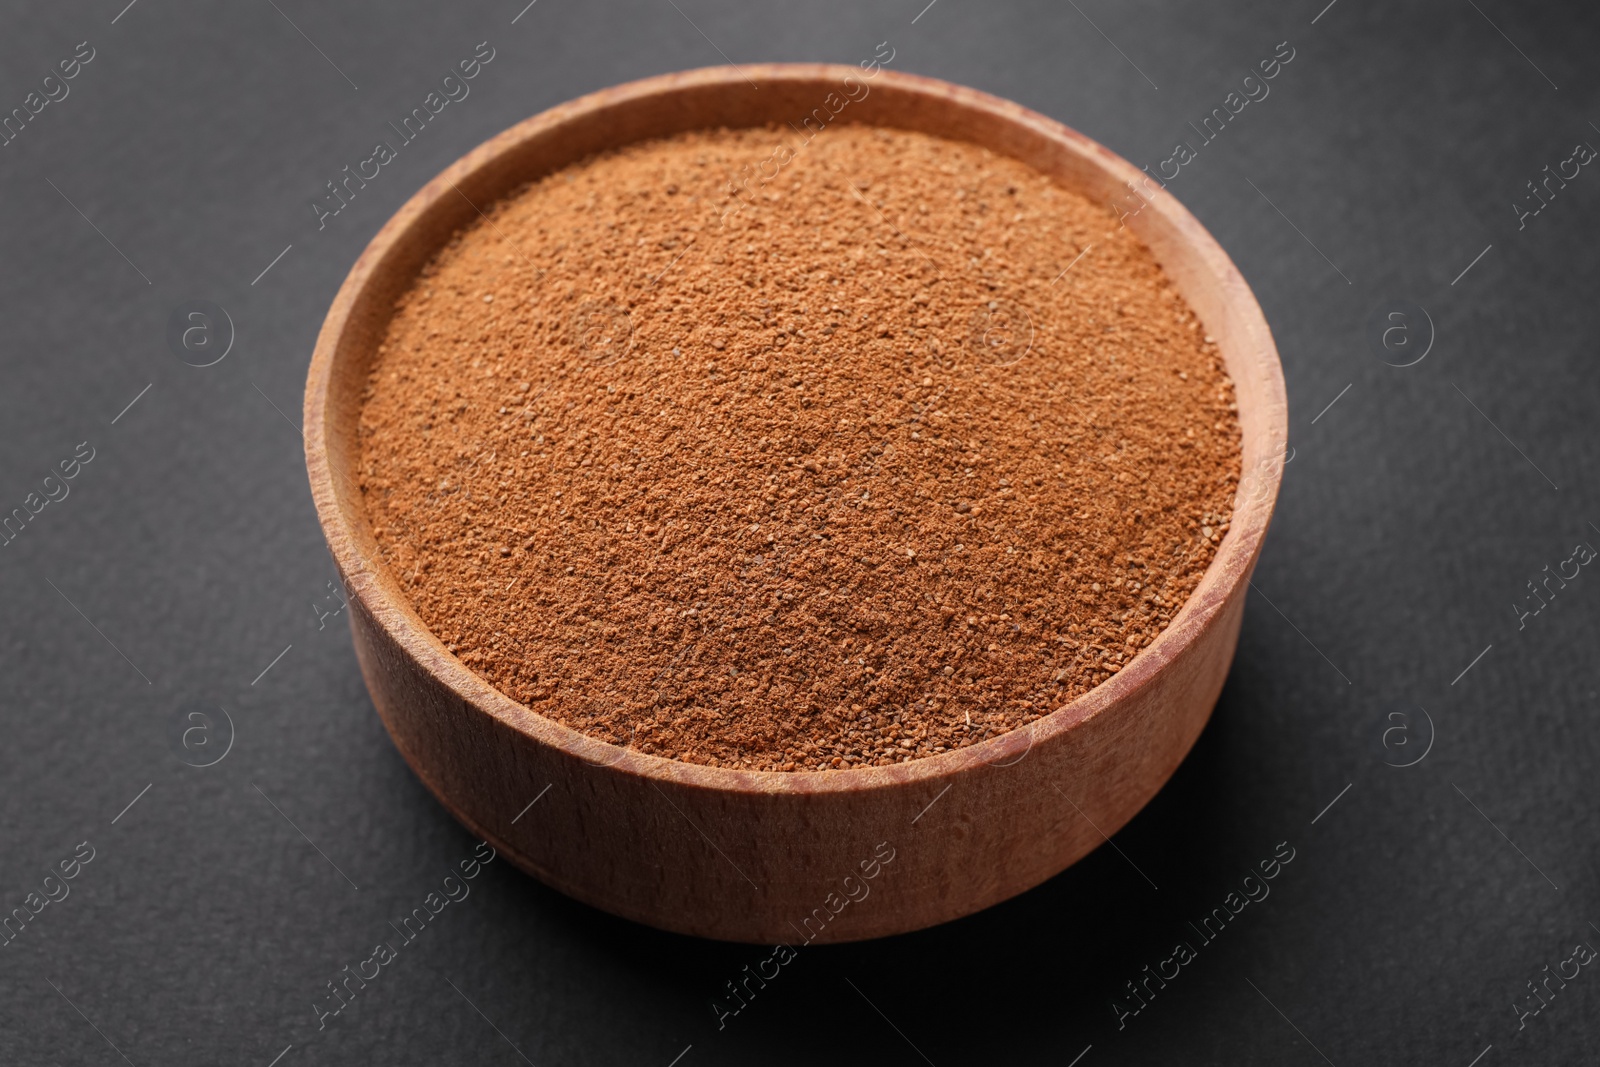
x: 368, y: 578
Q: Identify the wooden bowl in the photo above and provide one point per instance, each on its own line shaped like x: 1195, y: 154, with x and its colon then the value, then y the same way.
x: 766, y: 856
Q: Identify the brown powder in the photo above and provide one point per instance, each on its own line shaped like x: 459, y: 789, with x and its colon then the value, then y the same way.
x: 909, y: 449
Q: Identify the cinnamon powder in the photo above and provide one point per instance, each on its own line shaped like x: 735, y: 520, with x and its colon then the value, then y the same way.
x: 906, y: 448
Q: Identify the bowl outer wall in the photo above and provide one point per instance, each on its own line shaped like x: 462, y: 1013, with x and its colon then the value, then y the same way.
x: 764, y: 856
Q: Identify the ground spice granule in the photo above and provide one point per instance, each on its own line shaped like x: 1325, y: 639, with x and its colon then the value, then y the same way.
x: 904, y: 449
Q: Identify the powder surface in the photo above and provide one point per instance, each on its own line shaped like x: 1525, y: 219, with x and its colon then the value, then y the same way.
x: 894, y: 451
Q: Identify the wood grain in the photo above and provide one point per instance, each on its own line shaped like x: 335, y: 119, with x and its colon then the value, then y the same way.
x: 765, y: 856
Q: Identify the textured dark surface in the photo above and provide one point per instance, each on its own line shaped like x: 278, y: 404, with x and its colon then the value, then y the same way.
x: 1413, y: 513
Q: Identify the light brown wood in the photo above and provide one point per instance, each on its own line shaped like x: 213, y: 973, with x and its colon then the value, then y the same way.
x: 771, y: 856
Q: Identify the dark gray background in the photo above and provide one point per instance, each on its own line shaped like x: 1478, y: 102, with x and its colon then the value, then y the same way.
x: 1410, y: 520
